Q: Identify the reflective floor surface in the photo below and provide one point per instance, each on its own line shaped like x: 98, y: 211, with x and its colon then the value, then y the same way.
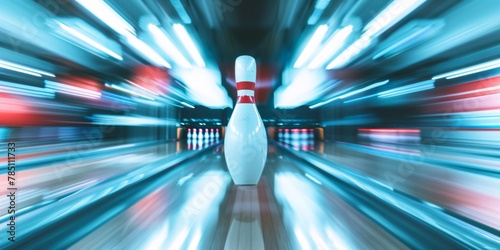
x: 171, y: 196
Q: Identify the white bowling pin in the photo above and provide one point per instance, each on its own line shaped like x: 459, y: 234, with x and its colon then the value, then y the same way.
x: 189, y: 134
x: 245, y: 141
x: 194, y: 134
x: 211, y: 133
x: 217, y: 134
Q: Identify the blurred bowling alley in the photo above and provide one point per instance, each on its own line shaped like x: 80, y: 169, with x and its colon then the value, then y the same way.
x: 250, y: 124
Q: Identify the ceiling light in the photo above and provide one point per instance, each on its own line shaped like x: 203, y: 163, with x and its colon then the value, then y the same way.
x: 311, y: 45
x: 114, y: 86
x: 21, y: 89
x: 108, y: 15
x: 147, y: 51
x: 411, y: 88
x: 348, y: 54
x: 392, y: 14
x: 470, y: 70
x: 24, y: 69
x: 378, y: 84
x: 188, y: 44
x: 89, y: 41
x: 72, y: 90
x: 181, y: 11
x: 166, y: 44
x: 187, y: 105
x: 333, y: 45
x: 319, y: 8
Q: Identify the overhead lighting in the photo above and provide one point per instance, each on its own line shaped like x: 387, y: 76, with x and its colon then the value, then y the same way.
x: 332, y: 46
x: 114, y: 86
x: 392, y: 14
x: 470, y: 70
x: 187, y: 105
x: 360, y: 98
x: 141, y: 87
x: 89, y: 41
x: 348, y: 54
x: 355, y: 92
x: 72, y: 90
x: 166, y: 44
x: 319, y: 8
x: 108, y: 15
x: 181, y: 11
x: 188, y: 44
x: 147, y: 51
x: 411, y: 88
x: 129, y: 120
x: 401, y: 44
x: 21, y: 89
x: 24, y: 69
x: 311, y: 45
x: 407, y: 36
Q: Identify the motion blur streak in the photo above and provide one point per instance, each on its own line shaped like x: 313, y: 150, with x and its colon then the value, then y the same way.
x: 382, y: 120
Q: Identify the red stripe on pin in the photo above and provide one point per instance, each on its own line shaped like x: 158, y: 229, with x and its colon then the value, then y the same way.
x: 245, y: 86
x: 246, y: 99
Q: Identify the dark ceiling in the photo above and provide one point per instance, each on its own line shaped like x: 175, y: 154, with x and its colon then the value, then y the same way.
x: 257, y: 28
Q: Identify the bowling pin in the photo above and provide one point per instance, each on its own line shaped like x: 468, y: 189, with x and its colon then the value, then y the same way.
x: 211, y: 133
x: 245, y: 141
x: 217, y: 134
x: 189, y: 134
x: 194, y: 134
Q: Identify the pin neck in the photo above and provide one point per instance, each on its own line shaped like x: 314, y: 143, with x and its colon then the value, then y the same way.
x: 245, y: 92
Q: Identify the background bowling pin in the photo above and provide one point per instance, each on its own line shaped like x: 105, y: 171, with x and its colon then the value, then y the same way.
x: 245, y: 141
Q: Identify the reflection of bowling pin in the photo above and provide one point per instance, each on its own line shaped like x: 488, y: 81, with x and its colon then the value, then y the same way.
x: 245, y: 142
x: 195, y: 143
x: 206, y: 136
x: 194, y: 134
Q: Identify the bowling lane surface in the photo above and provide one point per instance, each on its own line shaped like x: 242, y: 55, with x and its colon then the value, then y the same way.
x: 198, y: 207
x: 184, y: 198
x: 466, y: 188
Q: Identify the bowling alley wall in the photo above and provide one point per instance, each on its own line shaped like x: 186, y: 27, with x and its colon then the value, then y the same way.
x: 81, y: 106
x: 449, y: 112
